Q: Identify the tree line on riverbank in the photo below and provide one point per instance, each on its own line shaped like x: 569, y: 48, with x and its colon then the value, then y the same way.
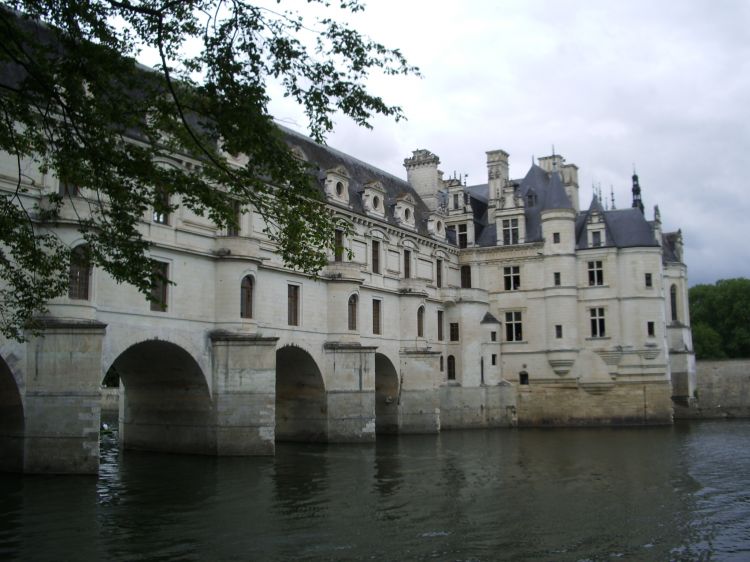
x: 720, y: 318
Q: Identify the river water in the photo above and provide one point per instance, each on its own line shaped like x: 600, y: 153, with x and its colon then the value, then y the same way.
x: 672, y: 493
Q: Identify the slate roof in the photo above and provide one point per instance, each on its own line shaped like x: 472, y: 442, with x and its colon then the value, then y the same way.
x: 360, y: 173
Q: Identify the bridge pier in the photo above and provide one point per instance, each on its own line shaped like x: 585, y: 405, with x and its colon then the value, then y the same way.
x: 350, y: 392
x: 419, y: 400
x: 244, y: 393
x: 62, y: 398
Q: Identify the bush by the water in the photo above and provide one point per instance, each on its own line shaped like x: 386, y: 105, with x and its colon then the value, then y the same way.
x: 720, y: 317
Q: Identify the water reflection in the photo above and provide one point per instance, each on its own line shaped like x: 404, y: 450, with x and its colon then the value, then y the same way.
x: 677, y: 493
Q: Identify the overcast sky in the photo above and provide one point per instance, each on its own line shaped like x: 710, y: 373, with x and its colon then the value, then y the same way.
x: 664, y: 86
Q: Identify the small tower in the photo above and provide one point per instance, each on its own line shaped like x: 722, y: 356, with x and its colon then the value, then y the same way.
x: 637, y: 203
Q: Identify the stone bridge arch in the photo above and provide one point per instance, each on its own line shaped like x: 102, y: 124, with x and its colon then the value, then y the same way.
x: 301, y: 403
x: 386, y: 395
x: 12, y: 421
x: 165, y: 402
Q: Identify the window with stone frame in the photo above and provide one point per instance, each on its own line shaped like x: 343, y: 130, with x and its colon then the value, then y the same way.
x: 293, y: 305
x: 596, y: 273
x: 67, y: 188
x: 420, y: 322
x: 352, y: 312
x: 456, y: 201
x: 596, y: 238
x: 451, y: 368
x: 233, y: 229
x: 375, y: 251
x: 247, y: 288
x: 557, y: 278
x: 79, y: 275
x: 555, y: 237
x: 407, y: 264
x: 159, y: 285
x: 463, y: 236
x: 558, y: 331
x: 338, y: 245
x: 466, y: 277
x: 439, y: 273
x: 512, y: 276
x: 673, y: 302
x: 649, y: 280
x: 161, y: 207
x: 440, y: 325
x: 513, y: 326
x: 454, y: 335
x: 598, y: 326
x: 510, y: 231
x: 376, y: 316
x: 650, y: 329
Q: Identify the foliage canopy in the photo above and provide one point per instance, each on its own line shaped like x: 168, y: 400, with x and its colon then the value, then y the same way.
x: 73, y: 100
x: 720, y: 317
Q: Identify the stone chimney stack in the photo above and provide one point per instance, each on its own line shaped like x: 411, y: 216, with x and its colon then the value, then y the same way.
x: 568, y: 173
x: 497, y: 172
x: 552, y: 163
x: 423, y: 175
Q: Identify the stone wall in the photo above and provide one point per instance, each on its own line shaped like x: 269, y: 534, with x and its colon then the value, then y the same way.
x: 723, y: 391
x: 486, y: 406
x: 647, y: 403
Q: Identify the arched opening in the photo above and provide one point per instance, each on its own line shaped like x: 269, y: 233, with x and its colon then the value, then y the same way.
x: 673, y: 302
x: 166, y: 404
x: 246, y: 296
x: 11, y: 422
x: 301, y: 406
x: 451, y: 368
x: 420, y: 322
x: 352, y: 312
x: 386, y: 395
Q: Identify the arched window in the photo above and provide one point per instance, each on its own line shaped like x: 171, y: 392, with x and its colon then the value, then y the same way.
x: 352, y: 312
x: 420, y: 322
x: 451, y: 368
x: 246, y: 296
x: 80, y: 273
x: 466, y: 277
x: 673, y: 302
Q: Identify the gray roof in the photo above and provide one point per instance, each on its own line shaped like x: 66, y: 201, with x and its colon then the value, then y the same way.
x: 624, y: 228
x: 489, y: 319
x: 324, y: 158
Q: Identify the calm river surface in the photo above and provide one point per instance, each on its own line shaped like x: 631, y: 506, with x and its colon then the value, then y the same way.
x: 675, y: 493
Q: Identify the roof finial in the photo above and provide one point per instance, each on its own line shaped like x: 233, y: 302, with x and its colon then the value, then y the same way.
x: 637, y: 203
x: 612, y: 195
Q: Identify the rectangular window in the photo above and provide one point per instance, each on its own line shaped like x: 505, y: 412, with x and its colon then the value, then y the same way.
x: 68, y: 189
x: 555, y: 237
x: 455, y: 201
x: 440, y: 325
x: 463, y: 237
x: 338, y: 245
x: 439, y: 273
x: 454, y: 331
x: 407, y: 264
x: 510, y: 231
x: 596, y: 238
x: 512, y: 276
x: 557, y: 278
x: 376, y: 316
x: 597, y: 323
x: 161, y: 207
x: 513, y: 326
x: 596, y: 273
x: 375, y: 256
x: 293, y: 305
x: 650, y: 329
x: 558, y: 331
x: 233, y: 228
x: 493, y: 336
x: 649, y: 282
x: 159, y: 284
x: 494, y: 359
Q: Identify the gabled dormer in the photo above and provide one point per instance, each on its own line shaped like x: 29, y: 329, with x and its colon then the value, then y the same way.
x: 458, y: 199
x: 373, y: 199
x: 510, y: 217
x: 337, y: 185
x: 403, y: 211
x: 596, y: 228
x: 436, y: 226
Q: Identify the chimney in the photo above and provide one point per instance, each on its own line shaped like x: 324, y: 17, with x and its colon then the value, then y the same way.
x: 423, y: 175
x: 497, y: 172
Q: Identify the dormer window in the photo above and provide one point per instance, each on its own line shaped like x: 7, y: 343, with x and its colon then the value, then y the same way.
x: 436, y: 226
x: 596, y: 237
x: 373, y: 199
x: 403, y: 211
x: 337, y: 185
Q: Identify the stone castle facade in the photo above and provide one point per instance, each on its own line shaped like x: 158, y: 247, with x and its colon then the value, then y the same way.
x: 444, y: 306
